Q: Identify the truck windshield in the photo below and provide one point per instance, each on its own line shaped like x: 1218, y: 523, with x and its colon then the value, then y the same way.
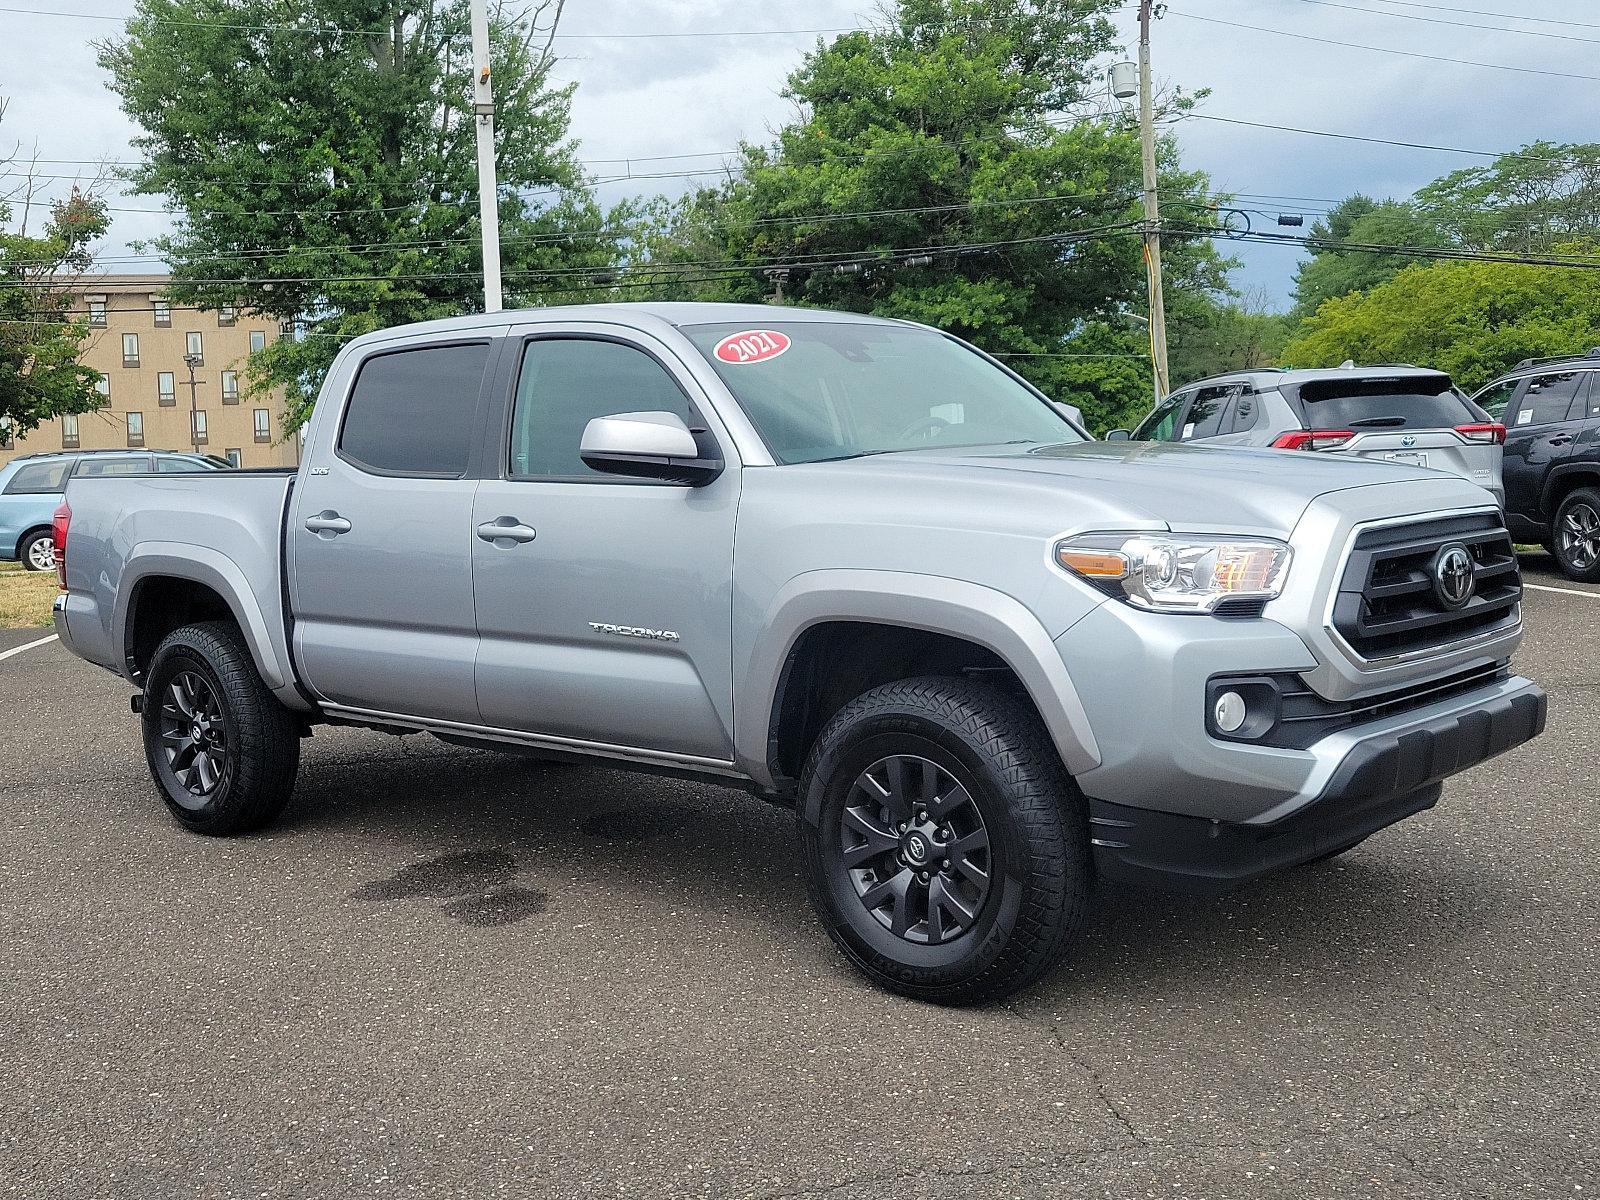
x: 818, y: 390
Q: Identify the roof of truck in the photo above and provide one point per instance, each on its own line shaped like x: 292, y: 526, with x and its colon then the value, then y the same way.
x: 642, y: 314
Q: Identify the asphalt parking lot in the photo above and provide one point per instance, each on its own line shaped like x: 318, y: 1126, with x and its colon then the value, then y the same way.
x: 458, y: 973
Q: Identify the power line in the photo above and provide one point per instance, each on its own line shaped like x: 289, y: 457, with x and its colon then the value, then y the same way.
x: 1356, y: 137
x: 1478, y: 12
x: 1378, y: 12
x: 1306, y: 37
x: 1446, y: 253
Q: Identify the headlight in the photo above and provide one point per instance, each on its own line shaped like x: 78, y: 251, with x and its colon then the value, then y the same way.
x: 1172, y: 573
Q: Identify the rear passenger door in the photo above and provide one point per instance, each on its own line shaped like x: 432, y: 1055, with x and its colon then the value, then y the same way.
x: 381, y: 536
x: 1540, y: 426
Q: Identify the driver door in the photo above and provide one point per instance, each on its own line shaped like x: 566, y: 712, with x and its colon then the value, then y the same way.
x: 607, y: 622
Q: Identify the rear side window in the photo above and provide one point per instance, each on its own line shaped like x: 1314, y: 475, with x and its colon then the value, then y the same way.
x: 137, y: 465
x: 1425, y: 402
x: 40, y: 477
x: 412, y: 412
x: 1211, y: 413
x: 1550, y: 398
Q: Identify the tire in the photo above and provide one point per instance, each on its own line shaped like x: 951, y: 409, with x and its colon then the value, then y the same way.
x: 38, y: 551
x: 202, y: 681
x: 1011, y: 815
x: 1576, y: 535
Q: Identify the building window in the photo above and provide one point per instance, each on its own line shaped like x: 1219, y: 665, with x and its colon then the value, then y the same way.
x: 8, y: 439
x: 103, y: 386
x: 226, y: 315
x: 263, y: 425
x: 230, y: 387
x: 234, y: 457
x: 258, y: 340
x: 194, y: 346
x: 135, y: 429
x: 97, y: 313
x: 69, y: 431
x: 130, y: 349
x: 199, y: 438
x: 163, y: 311
x: 166, y: 394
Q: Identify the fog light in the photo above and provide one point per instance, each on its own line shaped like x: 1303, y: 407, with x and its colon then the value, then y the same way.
x: 1229, y: 712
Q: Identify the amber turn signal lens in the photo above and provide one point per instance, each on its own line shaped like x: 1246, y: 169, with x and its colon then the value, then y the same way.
x: 1096, y: 564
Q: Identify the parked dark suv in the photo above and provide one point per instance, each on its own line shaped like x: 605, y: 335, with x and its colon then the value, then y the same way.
x: 1551, y: 411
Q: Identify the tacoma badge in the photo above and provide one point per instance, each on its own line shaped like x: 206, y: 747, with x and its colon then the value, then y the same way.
x: 660, y: 635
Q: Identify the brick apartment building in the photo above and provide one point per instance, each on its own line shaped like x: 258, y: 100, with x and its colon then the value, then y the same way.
x: 138, y: 342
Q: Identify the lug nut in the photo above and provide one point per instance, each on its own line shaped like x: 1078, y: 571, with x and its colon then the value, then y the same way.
x: 945, y: 865
x: 923, y: 875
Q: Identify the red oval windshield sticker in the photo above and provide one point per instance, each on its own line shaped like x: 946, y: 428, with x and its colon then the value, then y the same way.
x: 751, y: 346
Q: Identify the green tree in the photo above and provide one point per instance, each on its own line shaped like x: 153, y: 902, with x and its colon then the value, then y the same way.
x: 950, y: 166
x: 1360, y: 220
x: 40, y: 338
x: 1471, y: 319
x: 1538, y: 197
x: 1213, y: 336
x: 319, y: 158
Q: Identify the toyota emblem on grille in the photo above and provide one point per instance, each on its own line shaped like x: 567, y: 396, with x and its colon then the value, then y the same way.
x: 1453, y: 576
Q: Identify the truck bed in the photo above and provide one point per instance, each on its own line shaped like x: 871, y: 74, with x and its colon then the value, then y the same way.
x: 223, y: 529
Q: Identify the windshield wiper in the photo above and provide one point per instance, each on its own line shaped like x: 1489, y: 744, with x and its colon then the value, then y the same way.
x: 1378, y: 423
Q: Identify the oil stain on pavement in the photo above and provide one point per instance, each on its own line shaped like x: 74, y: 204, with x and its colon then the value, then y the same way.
x: 478, y: 884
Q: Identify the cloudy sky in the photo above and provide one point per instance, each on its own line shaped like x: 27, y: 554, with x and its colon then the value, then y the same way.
x: 649, y: 96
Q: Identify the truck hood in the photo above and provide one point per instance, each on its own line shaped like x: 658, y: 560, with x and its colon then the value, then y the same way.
x: 1158, y: 485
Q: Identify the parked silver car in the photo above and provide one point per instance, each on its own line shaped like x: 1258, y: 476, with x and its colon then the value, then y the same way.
x: 1391, y: 411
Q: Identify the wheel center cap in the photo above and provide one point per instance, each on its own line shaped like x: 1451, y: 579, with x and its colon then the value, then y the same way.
x: 197, y: 731
x: 915, y: 847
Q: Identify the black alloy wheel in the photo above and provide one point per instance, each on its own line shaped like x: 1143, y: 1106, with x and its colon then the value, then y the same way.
x: 194, y: 738
x: 916, y: 849
x: 1576, y: 536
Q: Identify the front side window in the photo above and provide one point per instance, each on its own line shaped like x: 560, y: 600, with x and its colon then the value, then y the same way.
x: 135, y: 428
x: 130, y: 349
x: 1550, y: 398
x: 40, y: 478
x: 165, y: 389
x: 565, y: 384
x: 1165, y: 423
x: 412, y: 412
x: 819, y: 390
x: 1496, y: 399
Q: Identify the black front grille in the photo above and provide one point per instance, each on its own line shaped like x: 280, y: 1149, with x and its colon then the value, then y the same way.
x: 1387, y: 603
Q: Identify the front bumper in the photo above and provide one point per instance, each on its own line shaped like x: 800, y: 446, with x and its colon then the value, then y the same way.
x: 1383, y: 774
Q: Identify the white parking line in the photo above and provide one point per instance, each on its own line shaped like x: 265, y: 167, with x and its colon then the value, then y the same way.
x: 29, y: 646
x: 1536, y: 587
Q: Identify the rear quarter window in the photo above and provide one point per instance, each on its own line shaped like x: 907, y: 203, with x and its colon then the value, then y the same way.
x: 1425, y: 402
x: 34, y: 479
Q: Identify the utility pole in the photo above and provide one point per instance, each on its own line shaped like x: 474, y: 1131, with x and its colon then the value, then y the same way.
x: 192, y: 361
x: 488, y: 194
x: 1152, y: 207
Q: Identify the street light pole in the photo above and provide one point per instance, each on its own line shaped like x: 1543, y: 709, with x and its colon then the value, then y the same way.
x: 1152, y: 207
x: 192, y: 361
x: 488, y: 194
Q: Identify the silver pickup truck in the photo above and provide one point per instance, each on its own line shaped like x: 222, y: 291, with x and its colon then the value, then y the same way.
x: 849, y: 564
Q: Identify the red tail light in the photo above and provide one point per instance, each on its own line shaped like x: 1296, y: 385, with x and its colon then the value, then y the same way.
x: 1313, y: 439
x: 1492, y: 432
x: 59, y: 521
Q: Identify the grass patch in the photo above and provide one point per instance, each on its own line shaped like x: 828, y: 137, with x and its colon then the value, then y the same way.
x: 25, y: 596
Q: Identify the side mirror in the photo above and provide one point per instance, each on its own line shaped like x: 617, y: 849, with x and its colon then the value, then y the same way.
x: 647, y: 445
x: 1070, y: 411
x: 1120, y: 435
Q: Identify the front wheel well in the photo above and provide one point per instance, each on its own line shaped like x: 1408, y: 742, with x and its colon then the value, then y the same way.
x: 832, y: 663
x: 161, y: 604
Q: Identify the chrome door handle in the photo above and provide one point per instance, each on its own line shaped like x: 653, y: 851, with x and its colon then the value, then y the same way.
x: 329, y: 522
x: 506, y: 529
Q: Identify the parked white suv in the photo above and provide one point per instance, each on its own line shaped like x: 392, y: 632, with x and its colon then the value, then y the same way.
x: 1390, y: 411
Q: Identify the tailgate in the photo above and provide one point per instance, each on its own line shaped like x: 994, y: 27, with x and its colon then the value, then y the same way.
x: 1436, y: 449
